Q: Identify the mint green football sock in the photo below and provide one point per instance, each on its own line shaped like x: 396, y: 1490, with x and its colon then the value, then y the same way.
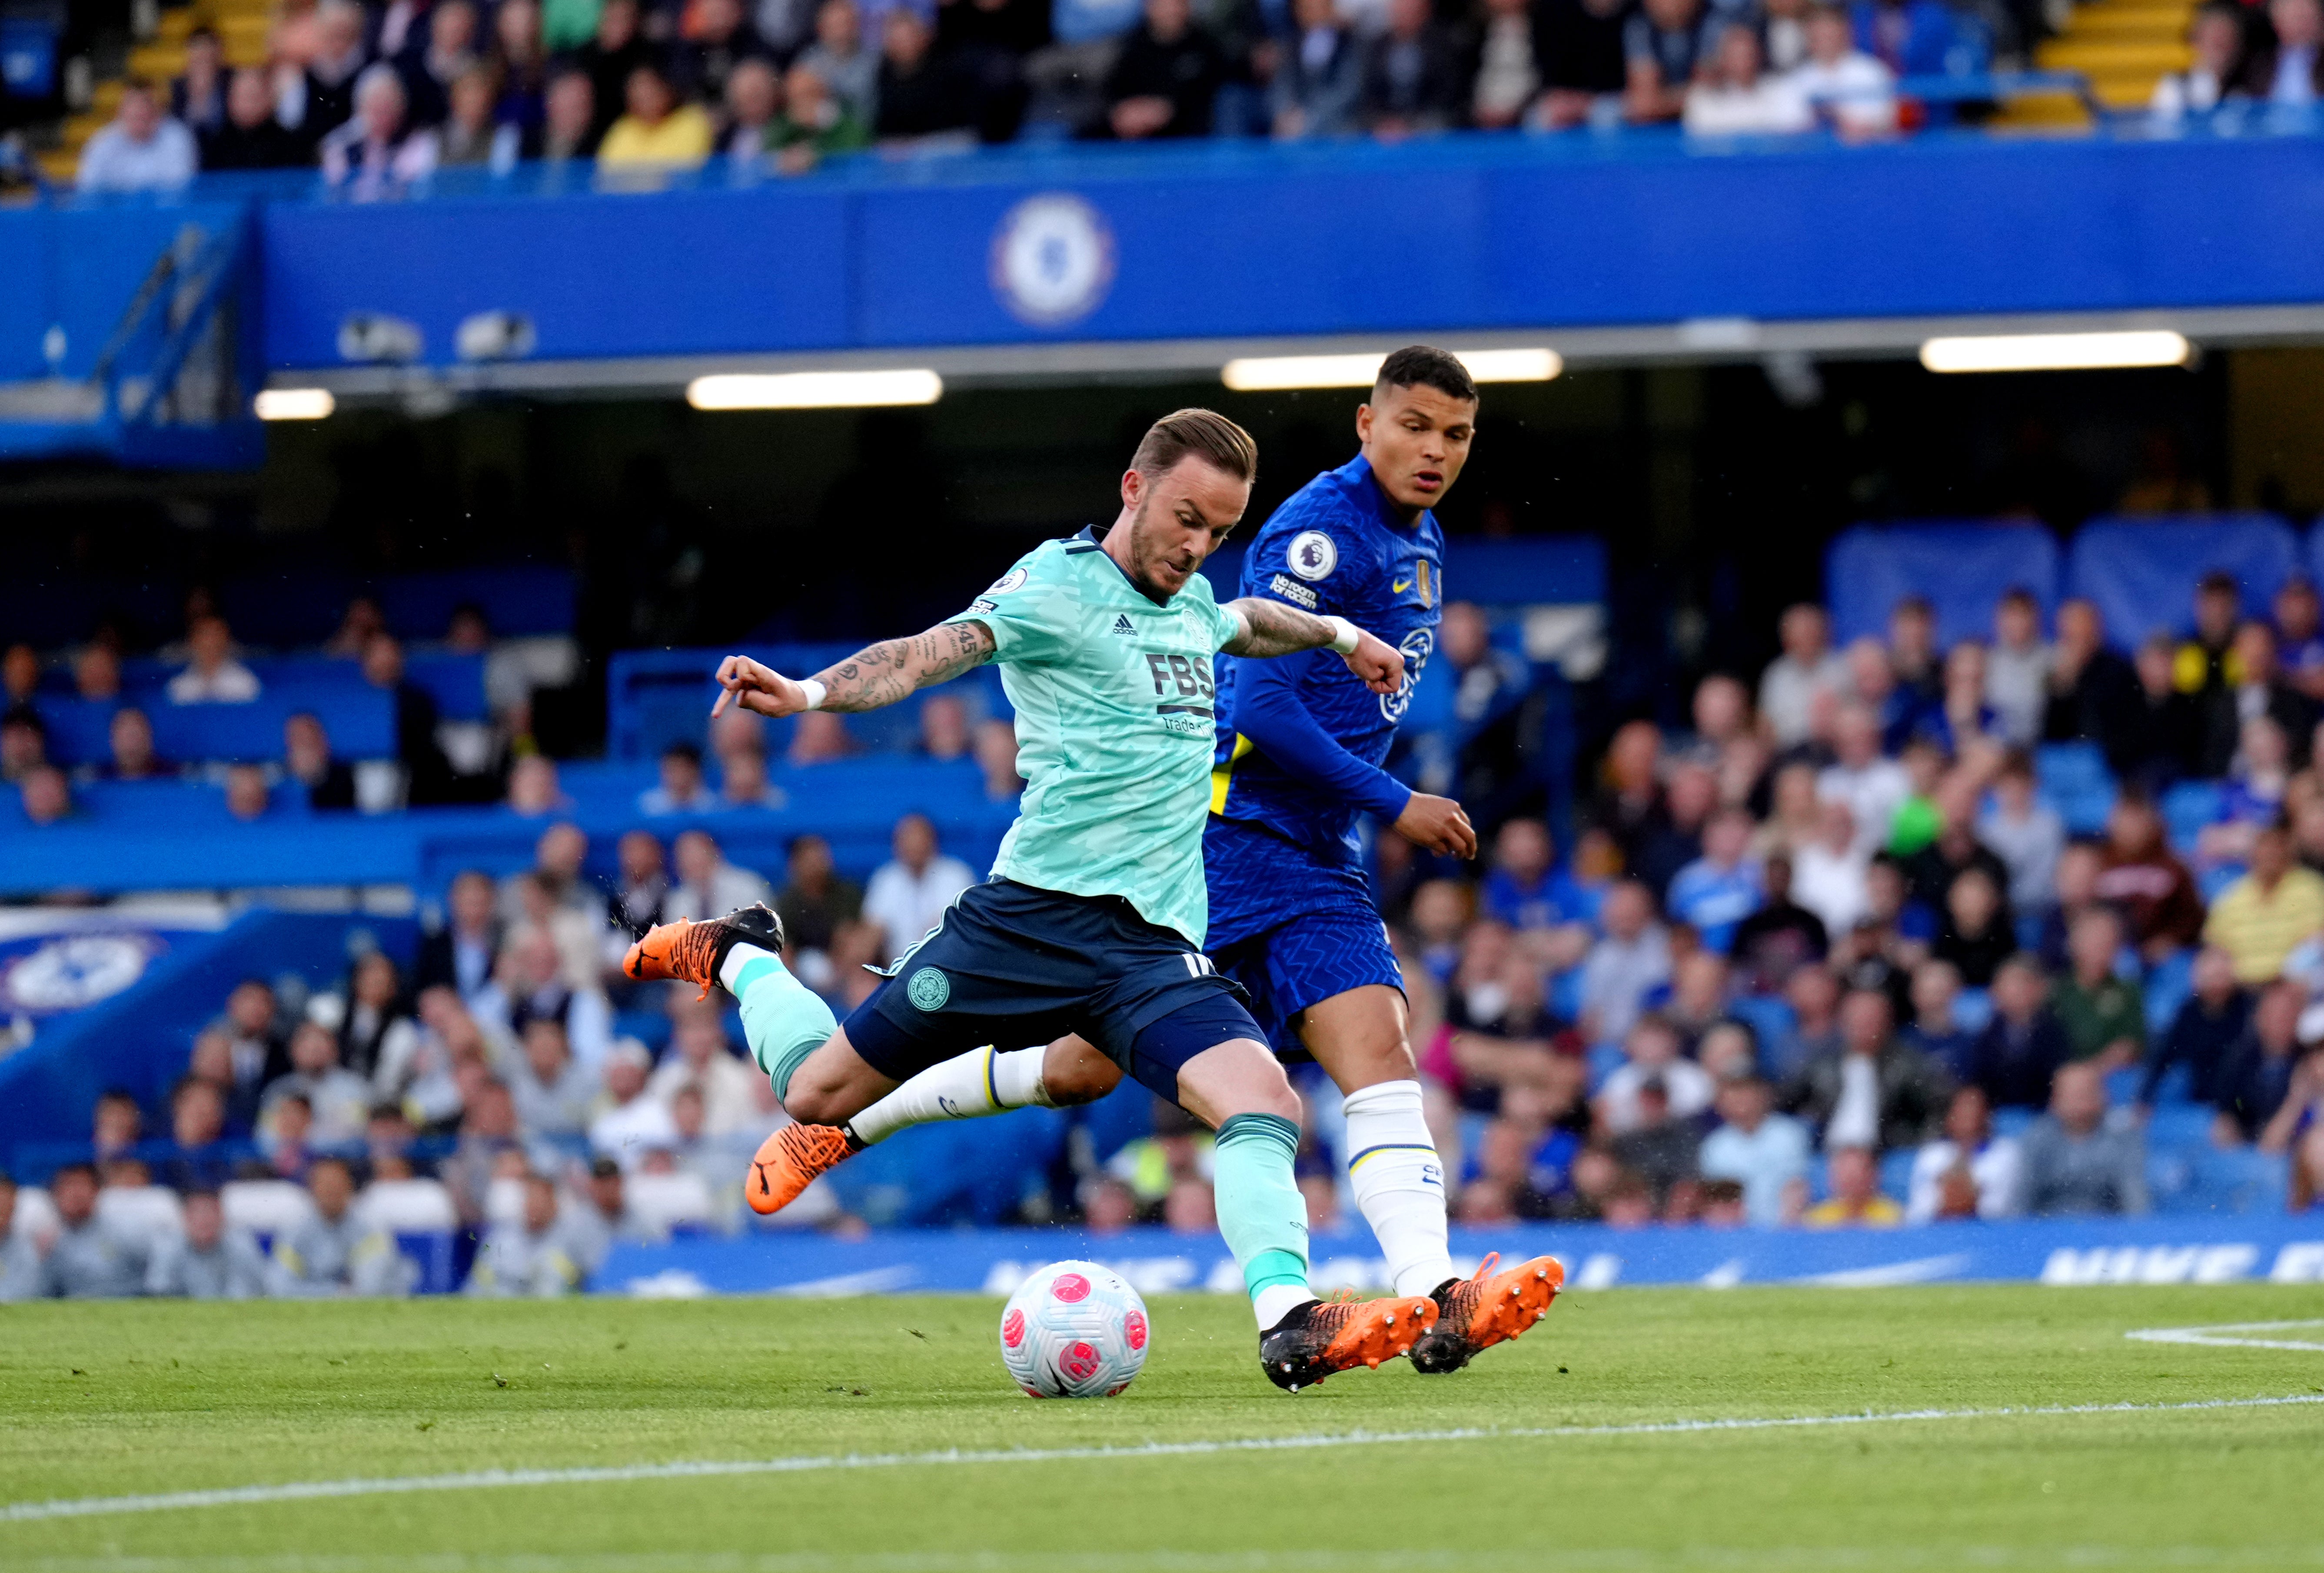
x: 783, y: 1020
x: 1261, y: 1213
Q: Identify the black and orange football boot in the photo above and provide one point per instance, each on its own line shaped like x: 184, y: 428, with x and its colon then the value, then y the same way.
x: 788, y: 1160
x: 1491, y: 1308
x: 1325, y: 1335
x: 693, y: 952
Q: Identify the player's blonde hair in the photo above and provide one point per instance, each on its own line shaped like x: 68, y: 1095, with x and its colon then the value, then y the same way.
x: 1204, y: 433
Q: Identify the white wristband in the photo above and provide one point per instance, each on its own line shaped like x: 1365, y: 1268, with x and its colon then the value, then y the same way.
x: 1345, y: 635
x: 814, y: 692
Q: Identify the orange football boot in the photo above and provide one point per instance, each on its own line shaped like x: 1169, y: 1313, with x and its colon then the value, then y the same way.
x: 693, y: 952
x: 1488, y: 1309
x: 1324, y: 1336
x: 788, y: 1160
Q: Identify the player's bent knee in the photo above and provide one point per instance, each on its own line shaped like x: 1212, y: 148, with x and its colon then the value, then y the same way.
x: 1239, y: 1076
x: 1073, y: 1072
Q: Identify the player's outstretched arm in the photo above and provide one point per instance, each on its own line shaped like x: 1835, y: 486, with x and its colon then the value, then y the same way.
x: 1272, y: 628
x: 878, y: 674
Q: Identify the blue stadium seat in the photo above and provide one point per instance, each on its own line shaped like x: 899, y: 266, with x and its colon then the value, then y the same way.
x: 2074, y: 779
x: 2168, y: 984
x: 1963, y: 569
x: 2142, y: 573
x: 2187, y: 807
x: 360, y: 720
x: 1088, y: 20
x: 517, y: 601
x: 2213, y: 881
x: 2202, y: 1179
x: 1550, y: 570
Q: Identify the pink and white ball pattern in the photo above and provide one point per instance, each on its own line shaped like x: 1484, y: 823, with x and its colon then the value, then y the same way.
x: 1073, y: 1329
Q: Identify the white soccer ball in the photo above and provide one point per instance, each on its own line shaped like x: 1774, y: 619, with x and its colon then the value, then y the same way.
x: 1073, y: 1329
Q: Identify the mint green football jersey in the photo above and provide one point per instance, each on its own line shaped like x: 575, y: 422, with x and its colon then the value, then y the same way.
x: 1113, y: 698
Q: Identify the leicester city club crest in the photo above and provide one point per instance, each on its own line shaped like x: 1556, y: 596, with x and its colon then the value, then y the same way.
x: 928, y: 989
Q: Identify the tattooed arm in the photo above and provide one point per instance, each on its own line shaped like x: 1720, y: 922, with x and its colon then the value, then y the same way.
x: 878, y: 674
x: 1272, y: 628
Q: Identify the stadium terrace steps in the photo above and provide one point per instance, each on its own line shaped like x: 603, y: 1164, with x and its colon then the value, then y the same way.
x: 243, y: 26
x: 2121, y: 46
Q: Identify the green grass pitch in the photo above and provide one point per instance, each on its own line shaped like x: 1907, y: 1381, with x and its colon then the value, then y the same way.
x: 137, y: 1398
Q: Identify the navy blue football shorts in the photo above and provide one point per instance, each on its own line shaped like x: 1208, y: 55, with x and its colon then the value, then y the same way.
x: 1292, y: 931
x: 1014, y: 965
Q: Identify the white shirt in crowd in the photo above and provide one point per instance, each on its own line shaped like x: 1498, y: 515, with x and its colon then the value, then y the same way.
x: 727, y: 888
x: 1770, y: 106
x: 907, y: 905
x: 1831, y: 885
x: 113, y: 160
x: 2018, y: 687
x: 1859, y: 90
x: 232, y: 683
x: 1689, y: 1085
x: 1997, y: 1167
x: 1873, y: 793
x: 1856, y: 1118
x: 1787, y: 692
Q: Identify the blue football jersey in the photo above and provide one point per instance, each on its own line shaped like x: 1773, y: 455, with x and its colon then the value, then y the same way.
x: 1336, y: 547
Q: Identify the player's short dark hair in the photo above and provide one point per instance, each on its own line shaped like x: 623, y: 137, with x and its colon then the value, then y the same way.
x: 1421, y: 366
x: 1206, y: 435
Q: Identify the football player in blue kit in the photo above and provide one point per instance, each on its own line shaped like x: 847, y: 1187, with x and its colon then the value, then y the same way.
x: 1299, y: 753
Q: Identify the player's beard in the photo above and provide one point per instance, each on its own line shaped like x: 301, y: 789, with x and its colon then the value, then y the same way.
x: 1142, y: 555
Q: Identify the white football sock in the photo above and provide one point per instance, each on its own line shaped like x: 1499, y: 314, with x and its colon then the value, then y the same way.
x: 967, y: 1087
x: 1399, y: 1182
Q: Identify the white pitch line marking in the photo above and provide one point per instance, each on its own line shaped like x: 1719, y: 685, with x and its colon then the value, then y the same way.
x: 2208, y: 1336
x: 313, y: 1490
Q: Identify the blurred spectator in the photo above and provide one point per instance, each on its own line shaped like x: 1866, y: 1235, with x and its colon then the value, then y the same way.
x: 2249, y: 686
x: 24, y: 742
x: 2290, y: 72
x: 2255, y: 1077
x: 1319, y: 87
x: 533, y: 790
x: 569, y: 130
x: 2203, y: 1033
x: 2255, y: 787
x: 469, y: 135
x: 2017, y: 667
x: 1737, y: 97
x: 130, y: 733
x: 1667, y: 46
x: 141, y: 149
x: 2274, y: 906
x: 1661, y: 1147
x: 427, y: 73
x: 2076, y: 1160
x: 1508, y: 68
x: 1968, y: 1173
x: 555, y: 1096
x: 1628, y: 804
x: 542, y: 1255
x: 2143, y: 878
x: 2104, y: 1014
x: 681, y: 789
x: 921, y: 94
x: 46, y: 799
x: 197, y: 1126
x: 197, y: 97
x: 90, y: 1258
x: 209, y: 1260
x: 96, y: 672
x: 247, y: 795
x: 1857, y: 1201
x: 1873, y: 787
x: 996, y: 755
x: 212, y: 676
x: 719, y: 39
x: 460, y: 954
x: 2215, y: 38
x: 116, y: 1124
x: 532, y: 979
x: 634, y: 1120
x: 909, y: 893
x: 333, y: 1252
x: 20, y: 674
x: 657, y: 131
x: 1765, y: 1152
x: 307, y: 761
x: 1934, y: 1029
x: 742, y: 784
x: 1651, y: 1053
x: 2158, y: 734
x: 427, y: 774
x: 322, y: 99
x: 700, y: 1058
x: 2022, y: 1047
x: 1632, y: 959
x: 20, y: 1255
x: 2300, y: 636
x: 1720, y: 889
x: 487, y: 1136
x: 1829, y: 875
x: 608, y: 60
x: 2025, y: 832
x: 814, y: 900
x: 337, y: 1100
x: 358, y: 626
x: 2094, y: 693
x: 1779, y: 939
x: 840, y: 60
x: 1520, y: 888
x: 1673, y: 838
x: 641, y: 893
x: 378, y: 1023
x: 1585, y: 69
x: 708, y: 886
x: 1869, y: 1090
x: 1413, y: 82
x: 520, y: 68
x: 819, y: 737
x: 754, y: 103
x: 1164, y: 81
x: 1977, y: 935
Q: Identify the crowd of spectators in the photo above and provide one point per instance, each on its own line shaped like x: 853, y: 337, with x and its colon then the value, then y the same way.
x: 2247, y: 55
x: 379, y: 96
x: 485, y: 1090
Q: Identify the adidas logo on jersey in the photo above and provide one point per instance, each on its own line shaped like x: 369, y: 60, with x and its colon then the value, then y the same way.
x: 1122, y: 625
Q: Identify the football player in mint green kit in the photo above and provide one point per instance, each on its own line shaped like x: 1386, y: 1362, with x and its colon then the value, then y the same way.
x: 1093, y: 917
